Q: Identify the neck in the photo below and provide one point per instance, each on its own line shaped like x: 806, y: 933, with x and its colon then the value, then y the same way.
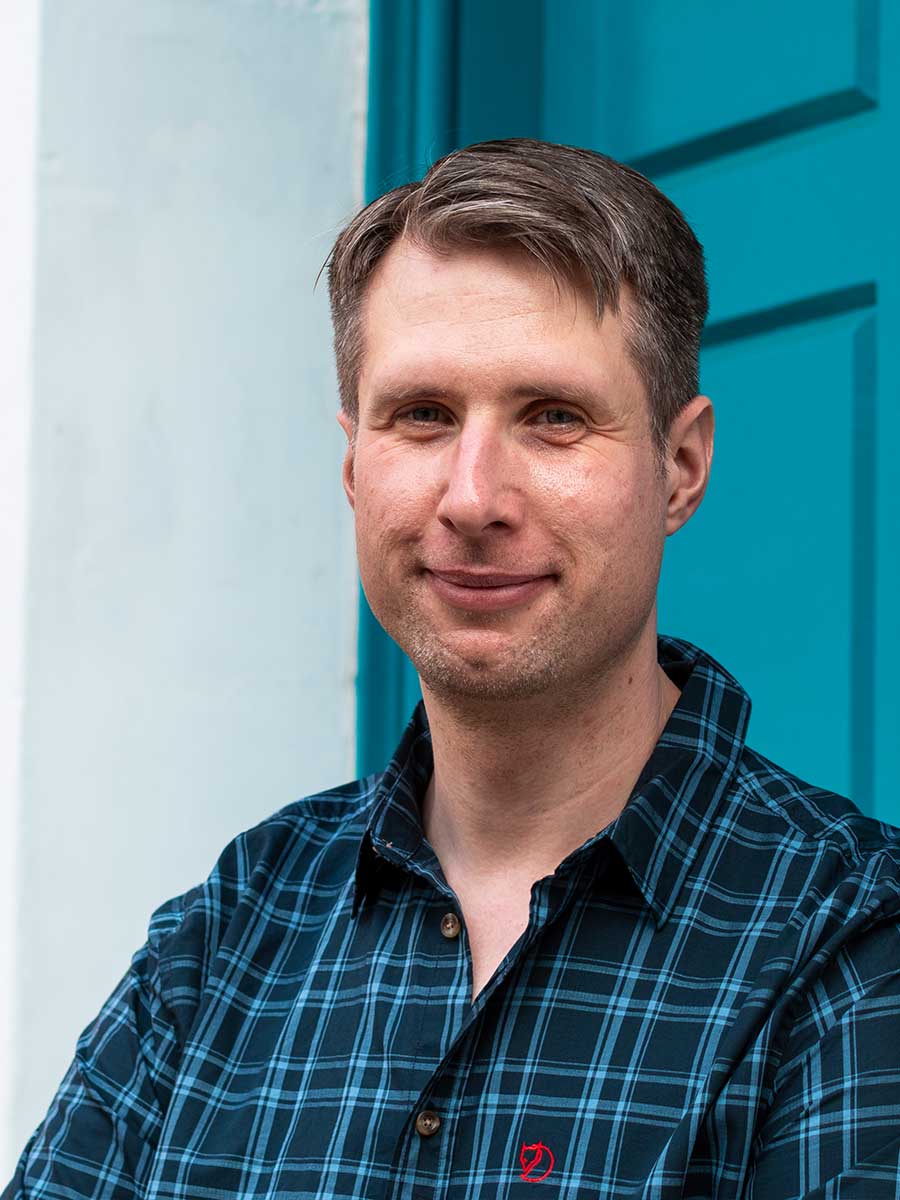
x: 519, y: 785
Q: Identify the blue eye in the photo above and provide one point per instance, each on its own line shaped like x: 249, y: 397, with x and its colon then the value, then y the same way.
x: 424, y: 414
x: 559, y: 416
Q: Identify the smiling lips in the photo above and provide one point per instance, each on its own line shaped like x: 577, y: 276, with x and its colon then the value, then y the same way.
x: 488, y: 591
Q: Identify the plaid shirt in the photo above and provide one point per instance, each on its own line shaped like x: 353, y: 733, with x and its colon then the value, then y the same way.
x: 705, y: 1003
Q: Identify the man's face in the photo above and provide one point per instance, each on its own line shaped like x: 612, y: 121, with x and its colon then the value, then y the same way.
x: 503, y: 440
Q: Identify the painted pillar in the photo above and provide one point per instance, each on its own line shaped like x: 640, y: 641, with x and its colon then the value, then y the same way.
x: 189, y: 659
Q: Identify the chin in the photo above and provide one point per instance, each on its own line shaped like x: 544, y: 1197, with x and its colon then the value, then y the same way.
x: 481, y: 671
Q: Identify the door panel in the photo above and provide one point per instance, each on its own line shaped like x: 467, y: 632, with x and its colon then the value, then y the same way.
x: 780, y: 610
x: 661, y: 85
x: 788, y: 220
x: 765, y: 124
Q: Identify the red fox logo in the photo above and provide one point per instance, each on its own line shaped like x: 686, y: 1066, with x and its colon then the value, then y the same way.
x: 532, y: 1159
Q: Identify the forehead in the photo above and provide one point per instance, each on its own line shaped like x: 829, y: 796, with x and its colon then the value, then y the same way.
x: 485, y: 309
x: 413, y: 285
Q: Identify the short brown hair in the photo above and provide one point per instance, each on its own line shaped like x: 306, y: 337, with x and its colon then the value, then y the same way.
x: 582, y: 215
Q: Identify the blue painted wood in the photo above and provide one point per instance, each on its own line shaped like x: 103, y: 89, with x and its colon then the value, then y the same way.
x: 773, y: 126
x: 500, y: 69
x: 775, y: 566
x: 684, y: 85
x: 778, y: 147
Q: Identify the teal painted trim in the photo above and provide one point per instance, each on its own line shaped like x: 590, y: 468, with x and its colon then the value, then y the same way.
x: 387, y: 687
x: 781, y: 316
x: 441, y: 73
x: 413, y: 73
x: 388, y: 135
x: 808, y: 115
x: 868, y: 46
x: 501, y: 69
x: 435, y: 81
x: 862, y: 640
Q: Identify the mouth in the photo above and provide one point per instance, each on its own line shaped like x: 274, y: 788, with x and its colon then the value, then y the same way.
x: 486, y: 591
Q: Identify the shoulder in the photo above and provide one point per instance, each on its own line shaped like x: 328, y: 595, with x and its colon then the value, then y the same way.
x: 817, y: 884
x: 301, y: 854
x: 832, y: 972
x: 837, y: 858
x: 813, y: 815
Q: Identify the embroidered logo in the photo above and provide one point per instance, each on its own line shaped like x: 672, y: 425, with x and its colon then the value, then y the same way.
x: 537, y: 1162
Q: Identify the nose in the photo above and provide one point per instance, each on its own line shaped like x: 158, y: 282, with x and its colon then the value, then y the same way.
x: 481, y: 490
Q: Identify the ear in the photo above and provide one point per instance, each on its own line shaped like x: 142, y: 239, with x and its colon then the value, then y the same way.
x: 349, y: 427
x: 689, y: 460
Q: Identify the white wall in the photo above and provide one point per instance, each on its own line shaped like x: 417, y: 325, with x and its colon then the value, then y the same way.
x: 191, y: 594
x: 19, y: 46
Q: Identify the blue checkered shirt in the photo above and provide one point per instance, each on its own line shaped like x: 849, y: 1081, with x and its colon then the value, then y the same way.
x: 705, y: 1003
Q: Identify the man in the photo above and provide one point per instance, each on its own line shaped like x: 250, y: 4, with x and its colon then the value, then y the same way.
x: 578, y: 934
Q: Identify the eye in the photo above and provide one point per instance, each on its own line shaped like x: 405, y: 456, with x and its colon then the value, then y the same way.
x: 422, y: 414
x: 559, y: 418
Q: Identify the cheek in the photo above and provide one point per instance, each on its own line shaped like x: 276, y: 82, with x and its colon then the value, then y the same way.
x: 590, y: 494
x: 611, y: 517
x: 392, y: 499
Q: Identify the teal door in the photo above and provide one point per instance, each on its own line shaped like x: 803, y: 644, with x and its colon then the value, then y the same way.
x: 774, y: 127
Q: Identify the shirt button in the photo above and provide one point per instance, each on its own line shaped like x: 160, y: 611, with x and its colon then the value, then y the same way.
x: 427, y: 1123
x: 450, y: 925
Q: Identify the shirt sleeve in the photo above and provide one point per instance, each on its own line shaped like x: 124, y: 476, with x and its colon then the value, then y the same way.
x: 833, y: 1127
x: 102, y: 1127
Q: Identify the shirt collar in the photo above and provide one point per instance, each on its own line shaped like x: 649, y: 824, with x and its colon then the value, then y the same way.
x: 680, y: 791
x: 394, y: 829
x: 671, y: 809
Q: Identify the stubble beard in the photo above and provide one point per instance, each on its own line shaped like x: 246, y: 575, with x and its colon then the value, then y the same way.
x: 529, y: 668
x: 563, y: 660
x: 526, y: 666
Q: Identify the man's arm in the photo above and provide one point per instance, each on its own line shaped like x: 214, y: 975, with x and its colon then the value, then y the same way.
x: 833, y: 1128
x: 103, y: 1125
